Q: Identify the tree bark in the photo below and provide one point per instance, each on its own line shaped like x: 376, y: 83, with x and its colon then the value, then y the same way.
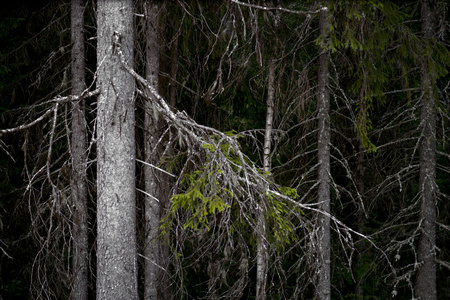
x: 361, y: 220
x: 116, y: 219
x: 152, y: 184
x: 425, y: 284
x: 269, y: 116
x: 262, y: 258
x: 78, y: 150
x: 173, y: 71
x: 323, y: 288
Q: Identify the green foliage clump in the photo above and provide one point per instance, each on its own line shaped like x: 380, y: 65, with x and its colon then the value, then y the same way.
x: 204, y: 197
x: 281, y: 228
x: 204, y: 194
x: 209, y: 191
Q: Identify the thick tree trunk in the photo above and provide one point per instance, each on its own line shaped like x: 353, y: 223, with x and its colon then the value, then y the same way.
x: 323, y: 288
x: 262, y: 258
x: 116, y: 219
x: 78, y: 151
x: 425, y: 285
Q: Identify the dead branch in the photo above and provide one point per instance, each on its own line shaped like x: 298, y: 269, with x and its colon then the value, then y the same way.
x: 281, y: 9
x: 57, y: 100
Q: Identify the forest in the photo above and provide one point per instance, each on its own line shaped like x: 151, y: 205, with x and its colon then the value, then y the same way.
x: 225, y: 149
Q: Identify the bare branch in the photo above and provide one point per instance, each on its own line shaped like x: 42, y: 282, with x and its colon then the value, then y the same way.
x: 282, y: 9
x: 25, y: 126
x: 155, y: 167
x: 57, y: 100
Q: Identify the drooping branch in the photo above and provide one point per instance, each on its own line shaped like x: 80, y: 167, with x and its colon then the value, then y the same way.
x: 201, y: 135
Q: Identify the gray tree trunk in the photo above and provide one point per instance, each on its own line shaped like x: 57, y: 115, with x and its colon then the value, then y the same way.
x: 361, y: 247
x: 425, y: 284
x: 173, y: 71
x: 116, y: 216
x: 78, y: 150
x: 323, y: 288
x: 152, y: 183
x: 269, y: 116
x: 262, y: 256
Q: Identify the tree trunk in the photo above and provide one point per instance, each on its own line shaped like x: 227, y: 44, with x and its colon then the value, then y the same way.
x: 262, y: 258
x: 116, y: 219
x: 323, y: 288
x: 269, y: 116
x: 425, y: 285
x: 152, y: 184
x: 78, y: 150
x: 361, y: 220
x: 173, y: 71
